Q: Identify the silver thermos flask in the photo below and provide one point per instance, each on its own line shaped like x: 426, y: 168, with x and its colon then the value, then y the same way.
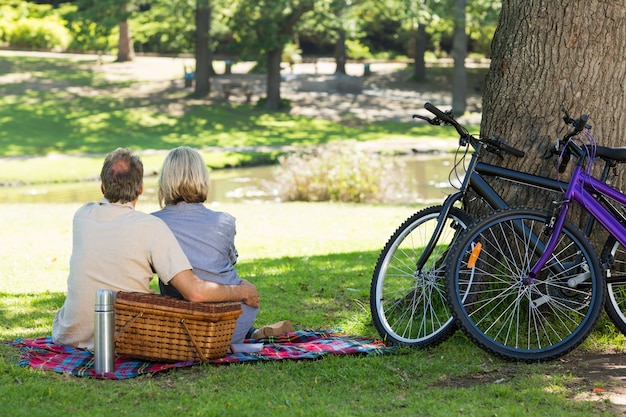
x: 104, y: 328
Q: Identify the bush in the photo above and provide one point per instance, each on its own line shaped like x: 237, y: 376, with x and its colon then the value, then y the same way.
x: 39, y: 34
x: 357, y: 50
x: 338, y: 172
x: 88, y: 36
x: 4, y: 35
x: 285, y: 103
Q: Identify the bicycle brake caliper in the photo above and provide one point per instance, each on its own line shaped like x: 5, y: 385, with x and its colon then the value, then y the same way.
x: 555, y: 213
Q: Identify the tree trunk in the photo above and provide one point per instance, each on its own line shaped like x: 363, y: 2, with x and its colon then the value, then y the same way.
x: 459, y: 53
x: 203, y: 64
x: 340, y: 52
x: 419, y: 50
x: 273, y: 79
x: 125, y: 49
x: 547, y: 55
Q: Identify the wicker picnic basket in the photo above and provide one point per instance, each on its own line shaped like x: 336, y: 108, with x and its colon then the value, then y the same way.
x: 163, y: 328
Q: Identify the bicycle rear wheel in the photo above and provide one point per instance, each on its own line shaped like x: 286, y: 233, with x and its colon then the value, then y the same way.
x: 615, y: 304
x: 507, y: 314
x: 409, y: 306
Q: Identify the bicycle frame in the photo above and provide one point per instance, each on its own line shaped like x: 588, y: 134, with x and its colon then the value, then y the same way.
x: 578, y: 191
x: 476, y: 182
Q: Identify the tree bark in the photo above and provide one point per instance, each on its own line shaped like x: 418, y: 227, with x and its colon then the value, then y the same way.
x: 203, y: 64
x: 274, y: 55
x: 340, y: 52
x: 125, y: 49
x: 273, y: 79
x: 548, y: 54
x: 459, y: 53
x: 419, y: 50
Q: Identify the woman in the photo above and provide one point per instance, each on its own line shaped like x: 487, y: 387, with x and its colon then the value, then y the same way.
x: 207, y: 237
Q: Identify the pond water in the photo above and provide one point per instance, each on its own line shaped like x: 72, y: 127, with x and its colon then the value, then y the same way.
x: 425, y: 178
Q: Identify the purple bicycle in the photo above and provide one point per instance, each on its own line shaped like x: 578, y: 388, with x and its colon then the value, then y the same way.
x: 526, y: 284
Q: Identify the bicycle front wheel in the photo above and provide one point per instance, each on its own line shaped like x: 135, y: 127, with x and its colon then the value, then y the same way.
x: 408, y: 304
x: 507, y: 313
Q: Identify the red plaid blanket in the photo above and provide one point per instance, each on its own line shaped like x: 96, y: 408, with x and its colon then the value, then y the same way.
x: 42, y: 354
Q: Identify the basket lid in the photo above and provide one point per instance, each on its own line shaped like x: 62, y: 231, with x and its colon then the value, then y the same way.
x: 174, y: 304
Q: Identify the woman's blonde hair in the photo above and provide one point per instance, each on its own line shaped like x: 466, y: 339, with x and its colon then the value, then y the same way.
x: 184, y: 177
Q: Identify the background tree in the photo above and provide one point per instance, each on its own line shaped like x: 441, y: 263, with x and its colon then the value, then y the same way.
x: 125, y: 48
x: 337, y: 23
x: 157, y: 30
x: 202, y: 50
x: 417, y: 17
x: 107, y: 14
x: 263, y: 28
x: 459, y: 53
x: 549, y: 54
x: 346, y: 15
x: 413, y: 19
x: 482, y: 18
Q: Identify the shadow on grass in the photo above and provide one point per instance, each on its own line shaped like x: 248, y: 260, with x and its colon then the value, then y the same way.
x: 52, y: 69
x: 314, y: 292
x: 62, y: 106
x: 317, y: 291
x: 28, y: 315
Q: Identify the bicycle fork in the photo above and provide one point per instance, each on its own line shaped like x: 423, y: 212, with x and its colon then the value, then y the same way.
x: 441, y: 222
x: 481, y: 187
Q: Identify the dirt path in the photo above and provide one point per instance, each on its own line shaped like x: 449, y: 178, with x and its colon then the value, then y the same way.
x: 386, y: 95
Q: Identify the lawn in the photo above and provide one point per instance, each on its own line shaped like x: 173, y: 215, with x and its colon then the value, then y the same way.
x: 311, y: 262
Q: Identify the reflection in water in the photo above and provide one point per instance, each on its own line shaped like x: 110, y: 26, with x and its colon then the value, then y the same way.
x: 426, y: 178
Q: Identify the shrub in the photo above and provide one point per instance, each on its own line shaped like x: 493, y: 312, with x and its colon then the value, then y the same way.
x: 357, y: 50
x: 285, y: 103
x: 39, y: 34
x: 88, y: 36
x: 4, y: 33
x: 291, y: 54
x: 338, y: 172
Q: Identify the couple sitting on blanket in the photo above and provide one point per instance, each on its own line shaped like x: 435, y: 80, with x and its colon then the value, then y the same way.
x: 190, y: 247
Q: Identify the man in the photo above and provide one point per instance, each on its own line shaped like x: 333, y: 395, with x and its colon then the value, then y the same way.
x: 116, y: 247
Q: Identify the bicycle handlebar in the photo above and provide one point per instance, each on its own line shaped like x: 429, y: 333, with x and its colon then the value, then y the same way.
x: 579, y: 125
x: 493, y: 145
x: 446, y: 117
x: 506, y: 148
x: 434, y: 110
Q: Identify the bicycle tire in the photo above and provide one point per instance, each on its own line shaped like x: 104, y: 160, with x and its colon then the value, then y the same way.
x: 409, y: 307
x: 504, y: 314
x: 615, y: 304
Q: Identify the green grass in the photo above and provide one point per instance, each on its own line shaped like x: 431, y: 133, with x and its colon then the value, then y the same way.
x: 312, y: 264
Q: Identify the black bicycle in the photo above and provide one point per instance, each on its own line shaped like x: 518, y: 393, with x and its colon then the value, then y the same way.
x: 408, y: 296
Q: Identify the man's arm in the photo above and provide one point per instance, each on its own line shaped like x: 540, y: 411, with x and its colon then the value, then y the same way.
x: 197, y: 290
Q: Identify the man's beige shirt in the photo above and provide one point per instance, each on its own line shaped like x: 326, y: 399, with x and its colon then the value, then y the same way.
x: 114, y: 247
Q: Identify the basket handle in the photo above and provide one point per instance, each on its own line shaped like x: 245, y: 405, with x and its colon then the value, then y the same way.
x: 128, y: 323
x: 198, y: 350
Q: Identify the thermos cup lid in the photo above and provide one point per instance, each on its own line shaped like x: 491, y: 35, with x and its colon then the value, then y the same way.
x: 105, y: 299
